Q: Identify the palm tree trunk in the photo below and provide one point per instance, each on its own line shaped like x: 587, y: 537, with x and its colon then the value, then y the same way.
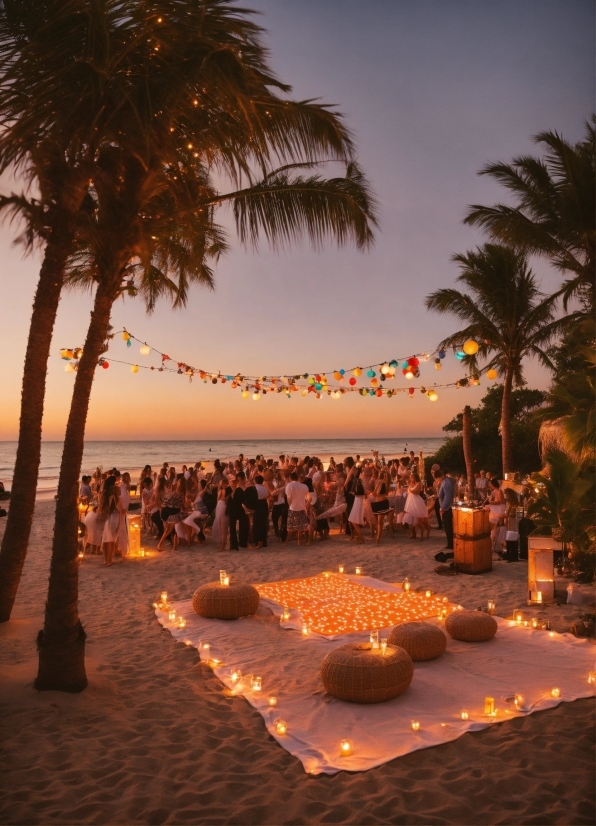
x: 61, y: 644
x: 24, y: 484
x: 467, y: 442
x: 506, y: 446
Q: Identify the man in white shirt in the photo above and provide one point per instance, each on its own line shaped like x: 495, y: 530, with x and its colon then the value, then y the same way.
x: 296, y: 494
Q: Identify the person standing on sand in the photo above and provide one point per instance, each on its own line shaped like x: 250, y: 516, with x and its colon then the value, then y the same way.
x: 110, y: 508
x: 238, y: 518
x: 356, y: 514
x: 296, y: 494
x: 446, y: 496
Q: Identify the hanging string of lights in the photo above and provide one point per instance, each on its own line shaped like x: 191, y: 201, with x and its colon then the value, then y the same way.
x: 316, y: 382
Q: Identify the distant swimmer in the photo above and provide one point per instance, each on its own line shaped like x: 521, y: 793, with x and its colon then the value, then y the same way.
x: 209, y: 450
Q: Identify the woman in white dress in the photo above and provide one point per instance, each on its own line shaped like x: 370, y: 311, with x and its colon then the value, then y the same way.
x: 94, y: 530
x: 200, y: 513
x: 415, y: 510
x: 356, y: 515
x: 221, y: 522
x: 110, y: 508
x: 122, y: 545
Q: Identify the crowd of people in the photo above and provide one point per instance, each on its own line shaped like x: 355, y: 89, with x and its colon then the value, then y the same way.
x: 242, y: 501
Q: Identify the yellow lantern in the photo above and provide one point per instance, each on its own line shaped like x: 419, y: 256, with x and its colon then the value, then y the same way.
x: 256, y: 397
x: 125, y: 336
x: 134, y: 368
x: 68, y: 368
x: 491, y: 374
x: 470, y: 347
x: 245, y: 394
x: 433, y: 396
x: 357, y: 371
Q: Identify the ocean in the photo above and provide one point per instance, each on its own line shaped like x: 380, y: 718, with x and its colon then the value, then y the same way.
x: 133, y: 455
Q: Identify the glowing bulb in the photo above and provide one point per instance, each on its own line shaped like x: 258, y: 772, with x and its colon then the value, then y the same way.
x: 245, y: 394
x: 432, y: 396
x: 145, y: 350
x: 256, y: 397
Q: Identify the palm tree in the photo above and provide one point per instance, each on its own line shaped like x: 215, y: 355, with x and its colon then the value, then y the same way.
x: 507, y: 316
x: 48, y: 139
x: 554, y: 215
x: 158, y: 218
x: 169, y: 80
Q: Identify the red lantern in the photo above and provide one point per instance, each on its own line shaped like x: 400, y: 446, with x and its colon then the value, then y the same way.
x: 413, y: 362
x: 105, y: 365
x: 411, y: 391
x: 352, y: 381
x: 379, y: 393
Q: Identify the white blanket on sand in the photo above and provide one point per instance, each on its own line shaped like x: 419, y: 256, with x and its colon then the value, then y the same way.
x: 518, y: 660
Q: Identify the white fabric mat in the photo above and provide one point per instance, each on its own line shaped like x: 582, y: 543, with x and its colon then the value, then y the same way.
x: 518, y: 660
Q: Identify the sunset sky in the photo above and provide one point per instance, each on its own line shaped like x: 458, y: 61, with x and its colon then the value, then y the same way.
x: 432, y: 90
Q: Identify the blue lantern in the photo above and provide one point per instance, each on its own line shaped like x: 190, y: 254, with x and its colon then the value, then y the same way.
x: 441, y: 354
x: 460, y: 355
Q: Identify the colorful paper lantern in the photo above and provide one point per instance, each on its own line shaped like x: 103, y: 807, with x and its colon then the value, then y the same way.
x: 370, y: 373
x: 358, y: 371
x: 460, y: 355
x: 145, y: 350
x: 413, y: 362
x: 438, y: 364
x: 134, y: 368
x: 105, y: 365
x: 441, y: 354
x: 470, y: 347
x: 491, y: 374
x: 379, y: 393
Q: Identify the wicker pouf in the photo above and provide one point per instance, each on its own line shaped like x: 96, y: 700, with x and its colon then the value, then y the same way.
x: 421, y: 640
x: 225, y: 601
x: 359, y: 674
x: 471, y: 626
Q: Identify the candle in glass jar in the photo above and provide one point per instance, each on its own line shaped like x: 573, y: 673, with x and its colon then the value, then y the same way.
x: 383, y: 645
x: 305, y: 629
x: 464, y: 714
x: 518, y: 617
x: 415, y: 725
x: 281, y: 726
x: 358, y: 569
x: 518, y: 701
x: 172, y: 616
x: 163, y: 597
x: 256, y: 683
x: 535, y: 622
x: 592, y: 678
x: 285, y: 616
x: 406, y: 584
x: 236, y: 675
x: 491, y: 606
x: 428, y: 593
x: 222, y: 576
x: 374, y: 639
x: 272, y: 701
x: 489, y: 706
x: 345, y: 748
x: 181, y: 623
x: 341, y: 569
x: 555, y: 692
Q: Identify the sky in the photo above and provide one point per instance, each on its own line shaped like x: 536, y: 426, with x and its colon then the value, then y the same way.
x: 432, y: 90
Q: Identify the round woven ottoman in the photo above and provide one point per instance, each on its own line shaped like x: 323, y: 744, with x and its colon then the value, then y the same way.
x: 421, y: 640
x: 359, y: 674
x: 471, y: 626
x: 225, y: 601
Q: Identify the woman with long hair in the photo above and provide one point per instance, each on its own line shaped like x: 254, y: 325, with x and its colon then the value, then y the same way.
x: 379, y: 503
x: 110, y: 509
x: 415, y: 511
x: 356, y: 515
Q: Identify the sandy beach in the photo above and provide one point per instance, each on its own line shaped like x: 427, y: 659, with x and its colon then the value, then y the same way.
x: 154, y: 739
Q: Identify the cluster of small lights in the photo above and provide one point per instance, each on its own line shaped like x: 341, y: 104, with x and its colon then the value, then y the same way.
x: 332, y: 604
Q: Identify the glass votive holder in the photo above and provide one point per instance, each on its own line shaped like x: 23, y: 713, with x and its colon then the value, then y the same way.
x: 464, y: 714
x: 491, y: 606
x: 489, y: 706
x: 272, y: 701
x: 555, y: 692
x: 592, y: 678
x: 281, y: 726
x: 163, y: 597
x: 518, y: 617
x: 383, y: 645
x: 236, y: 675
x: 305, y: 629
x: 345, y: 748
x: 415, y: 725
x: 428, y: 593
x: 285, y: 615
x: 341, y: 569
x: 222, y: 576
x: 535, y: 622
x: 358, y: 569
x: 171, y: 616
x: 406, y: 584
x: 256, y: 683
x: 374, y: 639
x: 519, y: 701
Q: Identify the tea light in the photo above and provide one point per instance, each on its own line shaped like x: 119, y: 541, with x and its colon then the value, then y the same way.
x: 489, y: 706
x: 206, y: 646
x: 383, y: 645
x: 272, y: 701
x: 464, y: 714
x: 80, y: 555
x: 518, y: 701
x: 518, y: 617
x: 406, y: 584
x: 341, y: 569
x: 535, y: 623
x: 281, y: 726
x: 305, y: 629
x: 236, y: 675
x: 172, y: 616
x: 428, y: 593
x: 415, y: 725
x: 491, y: 606
x: 345, y: 748
x: 256, y: 683
x: 551, y: 634
x: 181, y: 623
x: 374, y: 639
x: 592, y: 678
x: 163, y: 597
x: 555, y: 692
x: 285, y: 616
x: 358, y: 569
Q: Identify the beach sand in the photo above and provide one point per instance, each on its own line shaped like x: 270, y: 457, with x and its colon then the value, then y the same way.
x: 154, y: 739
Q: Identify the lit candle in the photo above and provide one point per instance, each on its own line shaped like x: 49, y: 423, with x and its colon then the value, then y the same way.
x: 81, y: 554
x: 272, y: 701
x: 374, y: 639
x: 341, y: 569
x: 428, y: 593
x: 142, y: 552
x: 535, y: 622
x: 415, y: 725
x: 206, y: 646
x: 518, y: 701
x: 491, y: 606
x: 281, y: 726
x: 358, y: 569
x: 236, y: 675
x: 526, y: 624
x: 345, y: 748
x: 592, y: 678
x: 539, y: 596
x: 406, y: 584
x: 555, y: 692
x: 285, y: 616
x: 172, y: 616
x: 255, y: 683
x: 305, y: 629
x: 464, y: 714
x: 489, y: 706
x: 383, y: 645
x: 163, y: 597
x: 222, y: 576
x: 226, y: 580
x: 518, y: 617
x: 181, y: 623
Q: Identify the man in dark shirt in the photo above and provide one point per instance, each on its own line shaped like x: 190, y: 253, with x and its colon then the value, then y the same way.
x: 446, y: 495
x: 238, y: 517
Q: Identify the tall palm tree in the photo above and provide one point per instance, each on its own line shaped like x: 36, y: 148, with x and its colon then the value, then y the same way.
x: 507, y: 316
x: 165, y: 80
x: 554, y: 214
x: 158, y: 217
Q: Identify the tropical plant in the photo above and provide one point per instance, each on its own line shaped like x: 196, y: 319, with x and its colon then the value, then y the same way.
x: 554, y: 214
x: 506, y: 315
x: 155, y: 223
